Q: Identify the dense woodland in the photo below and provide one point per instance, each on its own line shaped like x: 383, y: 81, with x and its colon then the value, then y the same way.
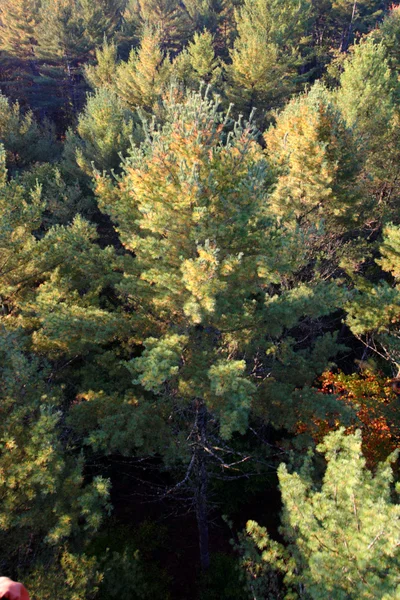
x: 199, y: 299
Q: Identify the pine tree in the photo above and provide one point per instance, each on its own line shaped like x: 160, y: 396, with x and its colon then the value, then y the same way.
x: 198, y: 63
x: 18, y: 41
x: 100, y: 18
x: 130, y: 31
x: 63, y: 46
x: 205, y: 14
x: 141, y: 80
x: 314, y: 156
x: 18, y: 23
x: 347, y: 526
x: 367, y: 86
x: 25, y: 140
x: 373, y: 314
x: 39, y: 268
x: 264, y: 56
x: 367, y: 98
x: 44, y: 500
x: 170, y: 19
x: 64, y: 196
x: 104, y: 132
x: 61, y: 36
x: 389, y: 34
x: 103, y: 73
x: 256, y: 78
x: 41, y: 491
x: 202, y: 292
x: 352, y: 16
x: 202, y: 57
x: 337, y: 23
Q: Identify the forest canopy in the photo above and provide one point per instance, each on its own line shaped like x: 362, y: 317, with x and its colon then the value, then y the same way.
x: 199, y: 299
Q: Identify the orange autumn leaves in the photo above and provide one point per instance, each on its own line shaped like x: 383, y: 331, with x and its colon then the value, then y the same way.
x: 376, y: 411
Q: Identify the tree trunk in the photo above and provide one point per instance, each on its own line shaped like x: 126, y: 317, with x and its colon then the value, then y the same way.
x: 201, y: 489
x: 346, y: 37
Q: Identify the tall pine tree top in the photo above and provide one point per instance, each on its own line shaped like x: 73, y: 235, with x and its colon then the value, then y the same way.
x: 18, y: 22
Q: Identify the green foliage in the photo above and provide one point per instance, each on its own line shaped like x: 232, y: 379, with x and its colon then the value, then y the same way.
x: 337, y: 23
x: 63, y: 196
x: 159, y: 361
x: 104, y: 132
x: 348, y: 526
x: 103, y: 73
x: 200, y: 288
x: 24, y: 139
x: 265, y: 53
x: 129, y: 560
x: 73, y: 577
x: 61, y: 34
x: 43, y: 495
x: 209, y: 14
x: 37, y: 272
x: 182, y: 319
x: 198, y: 63
x: 315, y: 158
x: 100, y: 19
x: 63, y: 46
x: 141, y: 80
x: 368, y: 99
x: 228, y: 384
x: 170, y: 19
x: 373, y: 315
x: 389, y: 34
x: 130, y: 29
x: 19, y: 19
x: 366, y: 81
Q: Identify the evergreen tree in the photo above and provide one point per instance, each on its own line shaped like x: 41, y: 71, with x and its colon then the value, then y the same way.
x: 355, y: 15
x: 18, y: 23
x: 141, y: 80
x: 170, y: 19
x: 389, y: 34
x: 63, y: 46
x: 187, y: 324
x: 18, y: 42
x: 367, y: 98
x: 373, y: 313
x: 25, y: 140
x: 103, y: 73
x: 256, y: 79
x: 62, y: 37
x: 342, y: 537
x: 203, y: 294
x: 63, y: 264
x: 314, y: 156
x: 44, y: 500
x: 338, y: 22
x: 367, y: 87
x: 130, y: 31
x: 63, y: 196
x: 104, y: 131
x: 198, y: 63
x: 205, y: 14
x: 100, y: 19
x: 265, y: 53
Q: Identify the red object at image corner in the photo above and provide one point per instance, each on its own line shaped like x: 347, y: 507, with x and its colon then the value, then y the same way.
x: 12, y: 590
